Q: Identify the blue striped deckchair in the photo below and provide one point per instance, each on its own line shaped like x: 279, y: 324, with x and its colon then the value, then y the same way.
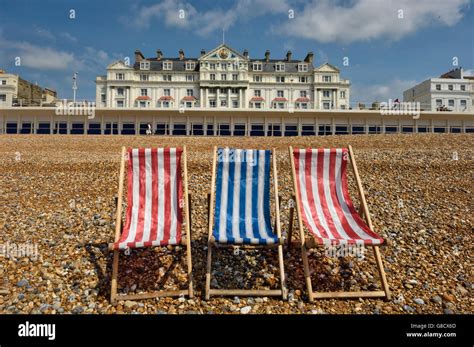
x: 242, y: 209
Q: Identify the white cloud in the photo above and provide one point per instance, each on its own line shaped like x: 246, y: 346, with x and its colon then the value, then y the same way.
x: 325, y: 21
x: 380, y: 92
x: 37, y: 57
x: 469, y: 72
x: 203, y: 22
x: 68, y: 36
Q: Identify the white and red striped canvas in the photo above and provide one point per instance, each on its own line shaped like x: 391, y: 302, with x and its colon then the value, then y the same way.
x: 326, y: 207
x: 154, y: 212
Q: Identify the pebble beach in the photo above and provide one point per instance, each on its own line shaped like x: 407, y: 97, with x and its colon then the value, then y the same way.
x: 57, y: 194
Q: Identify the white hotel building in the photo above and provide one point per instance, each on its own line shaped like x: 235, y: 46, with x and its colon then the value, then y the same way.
x: 222, y: 79
x: 451, y: 91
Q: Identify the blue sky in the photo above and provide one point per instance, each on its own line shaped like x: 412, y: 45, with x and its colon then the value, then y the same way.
x: 390, y: 44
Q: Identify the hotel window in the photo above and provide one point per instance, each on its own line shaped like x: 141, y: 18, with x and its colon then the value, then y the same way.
x: 189, y: 104
x: 280, y: 79
x: 257, y: 66
x: 235, y: 66
x: 166, y: 92
x: 224, y: 66
x: 212, y: 103
x: 3, y: 97
x: 223, y: 91
x: 167, y: 65
x: 212, y: 66
x: 304, y: 105
x: 235, y: 104
x: 303, y: 93
x: 450, y: 87
x: 166, y: 104
x: 326, y: 78
x: 438, y: 87
x: 257, y: 78
x: 463, y: 104
x: 343, y: 94
x: 234, y: 91
x: 258, y: 105
x: 142, y: 104
x: 4, y: 82
x: 326, y: 93
x: 280, y: 105
x: 439, y: 102
x: 189, y: 92
x: 120, y: 91
x: 119, y: 103
x: 303, y: 79
x: 212, y: 90
x: 212, y: 77
x: 257, y: 92
x: 303, y: 67
x: 235, y: 77
x: 190, y: 78
x: 190, y: 65
x: 144, y: 65
x: 326, y: 105
x: 280, y: 93
x: 167, y: 78
x: 451, y: 103
x: 224, y: 103
x: 103, y: 98
x: 144, y: 92
x: 463, y: 87
x: 143, y: 77
x: 223, y: 77
x: 119, y: 76
x: 280, y: 67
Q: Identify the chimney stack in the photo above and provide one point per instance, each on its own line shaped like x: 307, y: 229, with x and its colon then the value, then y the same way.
x: 203, y: 52
x: 309, y: 57
x: 267, y: 55
x: 138, y: 56
x: 181, y: 54
x: 246, y: 53
x: 288, y: 56
x: 159, y: 54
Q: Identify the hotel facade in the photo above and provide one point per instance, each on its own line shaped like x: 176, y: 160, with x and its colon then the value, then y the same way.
x: 222, y: 79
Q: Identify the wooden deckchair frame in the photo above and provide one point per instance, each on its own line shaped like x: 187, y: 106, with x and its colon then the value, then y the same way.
x: 213, y: 243
x: 114, y: 296
x: 305, y: 243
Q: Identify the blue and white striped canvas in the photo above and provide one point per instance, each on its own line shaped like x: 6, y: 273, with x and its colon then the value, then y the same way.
x: 242, y: 213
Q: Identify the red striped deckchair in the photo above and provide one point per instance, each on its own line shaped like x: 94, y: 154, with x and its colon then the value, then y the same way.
x: 155, y: 205
x: 325, y: 207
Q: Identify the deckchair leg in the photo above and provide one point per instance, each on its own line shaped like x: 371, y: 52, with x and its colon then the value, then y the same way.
x: 307, y: 274
x: 208, y: 271
x: 383, y: 278
x: 113, y: 290
x: 284, y: 291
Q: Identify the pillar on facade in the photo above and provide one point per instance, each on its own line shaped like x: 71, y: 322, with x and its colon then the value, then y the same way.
x: 201, y: 97
x: 241, y: 101
x: 218, y: 94
x: 228, y: 97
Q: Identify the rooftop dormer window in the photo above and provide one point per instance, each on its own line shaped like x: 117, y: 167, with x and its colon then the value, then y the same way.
x: 257, y: 66
x: 280, y: 67
x: 302, y: 67
x: 190, y: 65
x: 144, y: 65
x: 167, y: 65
